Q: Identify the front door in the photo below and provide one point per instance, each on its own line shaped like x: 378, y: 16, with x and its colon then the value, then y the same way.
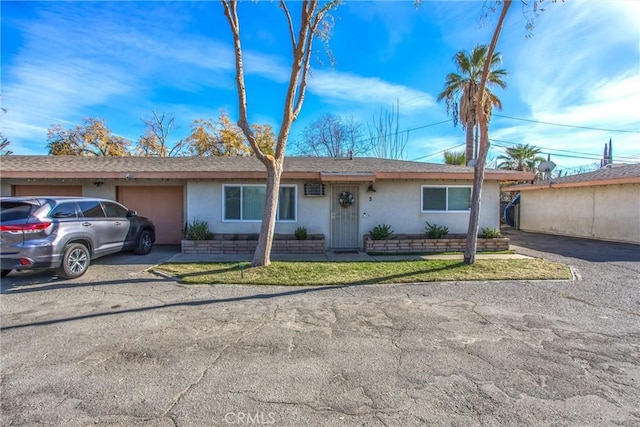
x: 344, y: 217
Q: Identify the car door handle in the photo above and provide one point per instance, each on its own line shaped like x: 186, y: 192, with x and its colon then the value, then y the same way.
x: 118, y: 223
x: 86, y: 224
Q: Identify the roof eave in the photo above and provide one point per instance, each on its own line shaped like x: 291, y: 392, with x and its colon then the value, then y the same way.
x: 575, y: 184
x: 316, y: 176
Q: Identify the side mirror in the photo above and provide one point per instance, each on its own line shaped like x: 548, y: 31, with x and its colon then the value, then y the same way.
x: 131, y: 213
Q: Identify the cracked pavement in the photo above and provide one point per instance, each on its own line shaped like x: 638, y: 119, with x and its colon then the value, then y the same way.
x: 122, y: 347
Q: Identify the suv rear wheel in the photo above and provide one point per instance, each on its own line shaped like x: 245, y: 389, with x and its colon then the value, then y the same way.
x: 75, y: 261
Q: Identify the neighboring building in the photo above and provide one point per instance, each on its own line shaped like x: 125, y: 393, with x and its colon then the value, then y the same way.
x: 604, y: 204
x: 228, y: 192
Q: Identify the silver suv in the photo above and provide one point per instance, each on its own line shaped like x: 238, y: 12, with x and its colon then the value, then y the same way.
x: 66, y: 233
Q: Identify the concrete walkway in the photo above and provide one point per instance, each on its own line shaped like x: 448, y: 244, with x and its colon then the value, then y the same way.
x: 332, y: 256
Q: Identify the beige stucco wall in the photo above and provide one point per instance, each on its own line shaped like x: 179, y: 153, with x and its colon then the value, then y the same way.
x: 396, y: 203
x: 610, y: 212
x: 106, y: 190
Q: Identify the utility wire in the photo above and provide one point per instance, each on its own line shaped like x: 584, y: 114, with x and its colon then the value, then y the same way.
x: 406, y: 130
x: 567, y: 126
x: 576, y: 154
x: 438, y: 152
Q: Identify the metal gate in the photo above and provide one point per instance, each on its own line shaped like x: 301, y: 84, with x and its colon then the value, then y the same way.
x: 344, y: 219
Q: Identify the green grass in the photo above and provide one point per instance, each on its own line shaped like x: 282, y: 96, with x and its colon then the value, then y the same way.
x: 342, y: 273
x: 505, y: 252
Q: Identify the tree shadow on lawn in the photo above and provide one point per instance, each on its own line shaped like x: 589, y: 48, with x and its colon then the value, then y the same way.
x: 371, y: 281
x: 211, y: 301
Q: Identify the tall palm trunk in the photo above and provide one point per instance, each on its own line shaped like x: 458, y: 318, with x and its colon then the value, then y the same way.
x: 478, y: 175
x: 469, y: 142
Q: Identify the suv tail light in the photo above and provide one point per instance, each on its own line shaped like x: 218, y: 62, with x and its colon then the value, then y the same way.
x: 25, y: 228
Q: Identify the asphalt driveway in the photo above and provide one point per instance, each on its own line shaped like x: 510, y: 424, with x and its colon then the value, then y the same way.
x: 121, y: 346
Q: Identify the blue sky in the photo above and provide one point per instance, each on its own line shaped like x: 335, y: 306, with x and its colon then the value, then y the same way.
x: 64, y: 61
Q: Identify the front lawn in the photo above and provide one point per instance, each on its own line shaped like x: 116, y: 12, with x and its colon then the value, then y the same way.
x: 342, y: 273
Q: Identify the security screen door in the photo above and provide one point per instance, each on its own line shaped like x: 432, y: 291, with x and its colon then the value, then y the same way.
x: 344, y: 220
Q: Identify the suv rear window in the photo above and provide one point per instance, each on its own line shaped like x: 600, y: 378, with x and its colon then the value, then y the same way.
x: 91, y: 209
x: 64, y: 210
x: 11, y: 211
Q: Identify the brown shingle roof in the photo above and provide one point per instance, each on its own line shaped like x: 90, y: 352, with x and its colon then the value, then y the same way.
x: 236, y: 167
x: 614, y: 174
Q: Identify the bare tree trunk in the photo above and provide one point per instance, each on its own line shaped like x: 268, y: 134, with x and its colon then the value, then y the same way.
x: 301, y: 44
x: 262, y: 254
x: 478, y: 174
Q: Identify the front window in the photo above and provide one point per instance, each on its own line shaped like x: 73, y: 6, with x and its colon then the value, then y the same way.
x: 246, y: 203
x: 446, y: 198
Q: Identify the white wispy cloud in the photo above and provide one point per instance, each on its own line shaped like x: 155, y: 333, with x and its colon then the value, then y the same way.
x: 74, y: 64
x: 334, y: 86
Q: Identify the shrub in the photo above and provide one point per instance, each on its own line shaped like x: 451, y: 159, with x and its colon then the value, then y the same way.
x: 381, y: 232
x: 300, y: 233
x: 436, y: 231
x: 489, y: 233
x: 198, y: 230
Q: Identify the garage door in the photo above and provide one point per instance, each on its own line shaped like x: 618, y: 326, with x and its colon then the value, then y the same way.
x: 163, y: 205
x: 47, y: 190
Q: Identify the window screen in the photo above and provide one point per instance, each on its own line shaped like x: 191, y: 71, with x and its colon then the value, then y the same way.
x: 246, y: 203
x: 446, y: 199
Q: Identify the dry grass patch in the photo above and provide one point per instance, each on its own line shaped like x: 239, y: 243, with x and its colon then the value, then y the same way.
x: 343, y: 273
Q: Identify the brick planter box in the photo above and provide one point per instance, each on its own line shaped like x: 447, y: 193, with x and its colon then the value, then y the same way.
x: 246, y: 244
x: 407, y: 244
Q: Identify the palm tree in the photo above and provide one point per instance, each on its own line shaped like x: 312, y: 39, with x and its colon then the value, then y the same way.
x: 454, y: 158
x: 460, y: 90
x: 521, y: 157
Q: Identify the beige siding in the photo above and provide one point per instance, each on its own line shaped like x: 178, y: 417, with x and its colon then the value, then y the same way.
x: 47, y: 190
x: 609, y: 212
x: 162, y: 204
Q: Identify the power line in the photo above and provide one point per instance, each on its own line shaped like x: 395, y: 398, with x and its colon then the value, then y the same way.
x: 572, y: 154
x: 400, y: 132
x: 567, y: 126
x: 438, y: 152
x: 406, y: 130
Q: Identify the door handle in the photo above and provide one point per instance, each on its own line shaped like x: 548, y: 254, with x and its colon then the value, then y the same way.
x: 86, y: 224
x: 118, y: 223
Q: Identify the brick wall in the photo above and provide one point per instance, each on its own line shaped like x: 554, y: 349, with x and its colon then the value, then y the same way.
x: 280, y: 246
x: 432, y: 245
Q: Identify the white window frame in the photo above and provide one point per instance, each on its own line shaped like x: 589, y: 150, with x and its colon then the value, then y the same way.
x: 447, y: 210
x: 224, y: 186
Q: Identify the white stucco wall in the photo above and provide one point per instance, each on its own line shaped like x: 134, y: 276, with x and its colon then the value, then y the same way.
x: 205, y: 203
x: 396, y: 203
x: 610, y: 212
